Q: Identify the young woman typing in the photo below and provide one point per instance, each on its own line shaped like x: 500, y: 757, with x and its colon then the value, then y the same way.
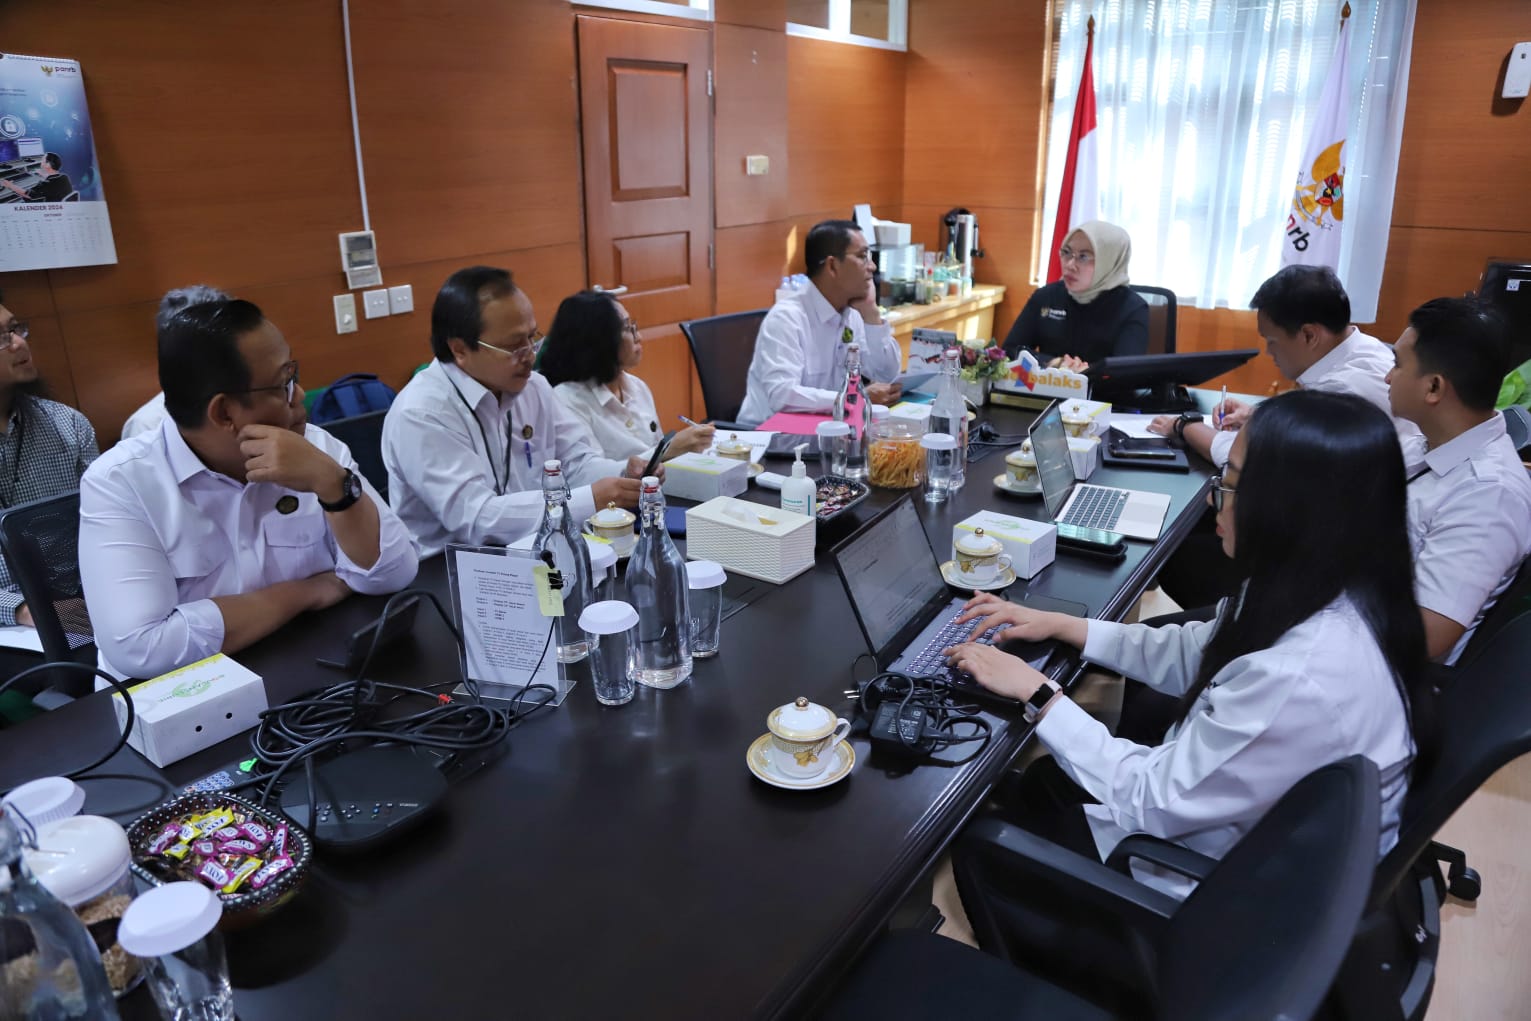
x: 1320, y: 656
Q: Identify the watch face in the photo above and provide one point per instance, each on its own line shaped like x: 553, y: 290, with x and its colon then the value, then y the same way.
x: 353, y: 485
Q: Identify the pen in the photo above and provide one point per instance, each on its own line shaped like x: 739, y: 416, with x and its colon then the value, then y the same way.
x: 528, y: 445
x: 1221, y: 405
x: 694, y: 425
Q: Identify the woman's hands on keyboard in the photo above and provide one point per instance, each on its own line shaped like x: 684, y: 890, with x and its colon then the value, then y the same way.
x: 988, y: 610
x: 998, y: 671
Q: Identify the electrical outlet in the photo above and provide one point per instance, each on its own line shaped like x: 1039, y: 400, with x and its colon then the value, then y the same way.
x: 375, y: 303
x: 401, y: 299
x: 345, y: 313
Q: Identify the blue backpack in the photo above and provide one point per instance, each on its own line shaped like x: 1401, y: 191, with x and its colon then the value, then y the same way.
x: 349, y: 396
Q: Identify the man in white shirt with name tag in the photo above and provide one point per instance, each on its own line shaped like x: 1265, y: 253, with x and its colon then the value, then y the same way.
x: 465, y: 441
x: 1470, y: 506
x: 799, y: 361
x: 234, y: 516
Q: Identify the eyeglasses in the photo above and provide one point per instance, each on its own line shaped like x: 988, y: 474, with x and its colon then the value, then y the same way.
x: 631, y: 329
x: 17, y: 331
x: 524, y: 351
x: 1218, y: 491
x: 288, y: 386
x: 1067, y: 254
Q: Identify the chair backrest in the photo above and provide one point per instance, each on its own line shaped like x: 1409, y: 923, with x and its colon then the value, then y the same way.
x: 1264, y: 934
x: 1517, y: 425
x: 722, y: 348
x: 364, y: 435
x: 1513, y: 602
x: 1161, y: 318
x: 1484, y: 722
x: 41, y: 543
x: 350, y: 396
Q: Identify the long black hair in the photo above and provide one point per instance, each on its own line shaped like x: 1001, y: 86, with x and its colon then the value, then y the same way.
x: 585, y: 341
x: 1321, y: 513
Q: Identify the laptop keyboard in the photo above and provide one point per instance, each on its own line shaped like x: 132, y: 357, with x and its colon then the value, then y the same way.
x: 1096, y: 507
x: 929, y: 661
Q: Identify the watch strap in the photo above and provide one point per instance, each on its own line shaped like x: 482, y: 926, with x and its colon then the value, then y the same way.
x: 350, y: 492
x: 1040, y: 700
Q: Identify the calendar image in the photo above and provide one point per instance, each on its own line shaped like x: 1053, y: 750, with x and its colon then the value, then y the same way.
x: 52, y: 205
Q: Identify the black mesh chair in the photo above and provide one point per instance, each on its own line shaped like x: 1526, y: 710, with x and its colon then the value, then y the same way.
x: 1517, y: 425
x: 1161, y: 318
x: 364, y: 435
x: 40, y: 541
x: 1260, y: 937
x: 722, y: 347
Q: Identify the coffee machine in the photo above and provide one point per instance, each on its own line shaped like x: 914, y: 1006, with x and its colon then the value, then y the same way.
x: 961, y: 239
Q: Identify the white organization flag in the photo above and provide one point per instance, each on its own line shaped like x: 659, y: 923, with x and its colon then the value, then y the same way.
x: 1317, y: 214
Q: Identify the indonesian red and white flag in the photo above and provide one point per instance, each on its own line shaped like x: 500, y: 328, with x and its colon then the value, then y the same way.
x: 1079, y: 197
x: 1317, y: 213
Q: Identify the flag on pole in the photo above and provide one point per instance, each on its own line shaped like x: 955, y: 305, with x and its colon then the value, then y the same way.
x: 1079, y: 196
x: 1317, y: 214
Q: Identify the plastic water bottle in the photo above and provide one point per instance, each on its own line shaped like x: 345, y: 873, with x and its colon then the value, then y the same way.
x: 64, y: 978
x: 852, y: 406
x: 949, y: 414
x: 658, y: 587
x: 558, y: 536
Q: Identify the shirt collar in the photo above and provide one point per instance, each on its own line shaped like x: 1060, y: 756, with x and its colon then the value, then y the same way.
x: 602, y: 393
x: 184, y: 462
x: 1463, y: 446
x: 818, y: 306
x: 1337, y: 356
x: 471, y: 389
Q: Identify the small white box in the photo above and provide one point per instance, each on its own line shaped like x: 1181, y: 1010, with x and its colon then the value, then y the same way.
x: 914, y: 411
x: 752, y: 539
x: 182, y: 712
x: 890, y: 233
x: 1085, y: 453
x: 704, y: 476
x: 1032, y: 545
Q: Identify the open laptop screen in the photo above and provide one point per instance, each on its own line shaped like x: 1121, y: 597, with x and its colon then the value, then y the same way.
x: 1055, y: 468
x: 892, y: 577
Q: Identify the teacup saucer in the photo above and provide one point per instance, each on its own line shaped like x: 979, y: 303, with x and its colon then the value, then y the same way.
x: 755, y: 469
x: 758, y: 758
x: 954, y: 578
x: 1006, y: 484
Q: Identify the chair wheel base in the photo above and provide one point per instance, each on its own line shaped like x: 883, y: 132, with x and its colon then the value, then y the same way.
x: 1466, y: 886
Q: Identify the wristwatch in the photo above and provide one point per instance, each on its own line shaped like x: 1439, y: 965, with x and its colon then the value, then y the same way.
x: 1040, y: 700
x: 350, y: 492
x: 1185, y: 419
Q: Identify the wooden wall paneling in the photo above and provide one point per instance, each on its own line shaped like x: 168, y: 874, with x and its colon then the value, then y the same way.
x: 469, y: 126
x: 1425, y: 263
x: 769, y: 14
x: 1004, y: 234
x: 845, y: 135
x: 751, y: 262
x: 51, y: 357
x: 666, y: 368
x: 27, y: 294
x: 750, y: 113
x: 1458, y: 140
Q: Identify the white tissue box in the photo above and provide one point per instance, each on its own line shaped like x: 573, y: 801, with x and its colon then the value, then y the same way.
x: 911, y: 410
x: 1032, y: 545
x: 704, y: 476
x: 1085, y: 453
x: 182, y: 712
x: 752, y: 539
x: 890, y: 233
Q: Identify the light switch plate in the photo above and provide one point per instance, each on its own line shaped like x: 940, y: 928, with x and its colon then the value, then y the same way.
x: 401, y: 299
x: 755, y: 166
x: 375, y: 303
x: 1517, y: 75
x: 345, y: 313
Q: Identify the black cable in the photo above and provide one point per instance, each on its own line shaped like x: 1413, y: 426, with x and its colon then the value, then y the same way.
x: 938, y: 700
x: 118, y: 688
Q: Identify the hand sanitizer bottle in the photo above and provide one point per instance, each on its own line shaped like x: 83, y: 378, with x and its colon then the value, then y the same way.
x: 799, y: 494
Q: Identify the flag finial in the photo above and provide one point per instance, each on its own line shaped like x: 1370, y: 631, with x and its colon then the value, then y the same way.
x: 1345, y: 13
x: 1090, y: 25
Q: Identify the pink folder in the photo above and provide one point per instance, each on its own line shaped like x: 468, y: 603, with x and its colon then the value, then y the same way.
x: 801, y: 423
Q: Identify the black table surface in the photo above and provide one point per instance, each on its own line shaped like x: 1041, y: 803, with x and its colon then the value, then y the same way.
x: 619, y: 862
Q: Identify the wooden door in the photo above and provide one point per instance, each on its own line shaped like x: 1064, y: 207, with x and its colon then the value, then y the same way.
x: 646, y: 128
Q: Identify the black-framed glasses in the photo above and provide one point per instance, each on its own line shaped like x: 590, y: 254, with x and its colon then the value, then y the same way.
x: 1219, y: 490
x: 288, y: 386
x: 524, y: 350
x: 17, y: 331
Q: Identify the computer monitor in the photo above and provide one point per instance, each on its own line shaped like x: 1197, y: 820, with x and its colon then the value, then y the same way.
x: 1506, y: 285
x: 31, y: 147
x: 1157, y: 382
x: 9, y: 150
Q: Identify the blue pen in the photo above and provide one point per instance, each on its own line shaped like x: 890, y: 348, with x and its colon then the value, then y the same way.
x: 1221, y: 405
x: 688, y: 421
x: 528, y: 445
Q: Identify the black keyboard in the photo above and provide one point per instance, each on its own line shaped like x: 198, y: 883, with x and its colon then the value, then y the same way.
x: 1096, y: 507
x: 929, y: 661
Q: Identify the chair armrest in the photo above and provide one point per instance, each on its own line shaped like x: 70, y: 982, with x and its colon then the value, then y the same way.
x: 1142, y: 847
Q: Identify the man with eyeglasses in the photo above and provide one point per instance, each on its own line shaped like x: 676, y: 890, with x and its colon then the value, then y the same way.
x: 799, y: 360
x: 235, y: 515
x: 465, y: 441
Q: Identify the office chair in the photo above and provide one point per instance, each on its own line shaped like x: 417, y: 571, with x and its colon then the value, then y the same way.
x: 1260, y: 937
x: 1517, y: 425
x: 40, y: 541
x: 1161, y: 318
x: 722, y: 347
x: 364, y: 435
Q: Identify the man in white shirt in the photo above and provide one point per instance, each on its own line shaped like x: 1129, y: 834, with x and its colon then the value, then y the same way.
x: 799, y: 362
x: 234, y: 516
x: 464, y: 442
x: 152, y: 412
x: 1470, y: 506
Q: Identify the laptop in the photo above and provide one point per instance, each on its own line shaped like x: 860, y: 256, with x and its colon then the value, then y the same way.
x: 1131, y: 512
x: 902, y: 603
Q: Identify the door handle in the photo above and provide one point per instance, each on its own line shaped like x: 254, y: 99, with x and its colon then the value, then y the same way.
x: 613, y: 291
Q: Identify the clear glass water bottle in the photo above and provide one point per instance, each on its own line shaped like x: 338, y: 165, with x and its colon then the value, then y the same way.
x: 558, y: 536
x: 53, y: 970
x: 658, y: 588
x: 949, y: 414
x: 852, y: 406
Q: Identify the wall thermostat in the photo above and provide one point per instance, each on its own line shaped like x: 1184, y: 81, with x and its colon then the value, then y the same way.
x: 358, y: 258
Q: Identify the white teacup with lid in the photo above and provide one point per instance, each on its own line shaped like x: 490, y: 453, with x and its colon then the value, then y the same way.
x: 1021, y: 464
x: 615, y: 525
x: 1075, y: 422
x: 804, y: 736
x: 980, y: 558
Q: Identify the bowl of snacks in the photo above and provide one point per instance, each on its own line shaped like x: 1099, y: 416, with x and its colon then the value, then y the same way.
x: 253, y: 858
x: 837, y: 495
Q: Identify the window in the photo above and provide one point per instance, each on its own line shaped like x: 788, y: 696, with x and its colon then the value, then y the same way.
x: 881, y: 23
x: 701, y: 10
x: 1209, y: 104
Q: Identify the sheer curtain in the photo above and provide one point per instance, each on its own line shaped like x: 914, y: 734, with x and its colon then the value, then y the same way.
x: 1203, y: 109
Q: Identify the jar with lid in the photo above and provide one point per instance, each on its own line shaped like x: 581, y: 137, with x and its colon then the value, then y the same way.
x: 895, y: 457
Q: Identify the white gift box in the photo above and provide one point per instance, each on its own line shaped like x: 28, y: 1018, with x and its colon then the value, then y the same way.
x: 182, y: 712
x: 1086, y: 455
x: 1098, y: 412
x: 1032, y: 545
x: 704, y: 476
x: 752, y: 539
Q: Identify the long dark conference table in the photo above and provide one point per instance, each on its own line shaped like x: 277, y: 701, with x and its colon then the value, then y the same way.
x: 619, y: 862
